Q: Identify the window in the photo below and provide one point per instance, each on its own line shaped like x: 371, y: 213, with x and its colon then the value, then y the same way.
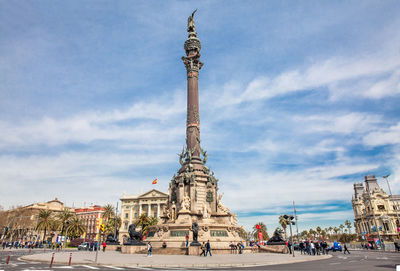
x: 126, y: 215
x: 136, y: 215
x: 381, y: 207
x: 155, y: 214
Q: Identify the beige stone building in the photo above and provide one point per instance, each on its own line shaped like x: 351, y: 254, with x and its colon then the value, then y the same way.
x: 132, y: 206
x: 23, y: 220
x: 375, y: 210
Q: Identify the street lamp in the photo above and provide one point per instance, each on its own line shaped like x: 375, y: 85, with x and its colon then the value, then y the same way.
x: 66, y: 233
x: 289, y: 219
x: 395, y: 206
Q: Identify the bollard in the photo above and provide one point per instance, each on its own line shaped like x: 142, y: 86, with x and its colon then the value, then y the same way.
x: 52, y: 259
x: 9, y: 256
x: 70, y: 257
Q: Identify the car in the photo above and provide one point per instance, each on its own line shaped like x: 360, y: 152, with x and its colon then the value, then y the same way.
x: 336, y: 247
x: 84, y: 246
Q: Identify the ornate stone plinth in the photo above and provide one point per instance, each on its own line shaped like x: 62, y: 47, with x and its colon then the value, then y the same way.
x: 134, y: 249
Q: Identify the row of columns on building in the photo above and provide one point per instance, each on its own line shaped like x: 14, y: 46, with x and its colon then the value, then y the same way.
x: 148, y: 210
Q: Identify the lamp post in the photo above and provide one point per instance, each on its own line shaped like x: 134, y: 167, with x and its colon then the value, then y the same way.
x: 66, y: 233
x: 395, y: 205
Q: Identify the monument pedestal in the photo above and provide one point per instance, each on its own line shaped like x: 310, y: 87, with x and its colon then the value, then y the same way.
x: 194, y: 250
x: 138, y: 249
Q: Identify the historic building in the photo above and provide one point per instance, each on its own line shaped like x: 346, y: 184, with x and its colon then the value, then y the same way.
x: 90, y: 216
x: 375, y: 210
x: 22, y: 221
x: 150, y: 203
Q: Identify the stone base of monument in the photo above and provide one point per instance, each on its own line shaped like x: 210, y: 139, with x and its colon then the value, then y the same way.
x: 194, y: 250
x: 274, y: 249
x: 136, y: 249
x: 112, y: 247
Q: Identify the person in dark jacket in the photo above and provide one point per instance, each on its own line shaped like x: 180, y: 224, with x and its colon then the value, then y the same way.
x: 208, y: 248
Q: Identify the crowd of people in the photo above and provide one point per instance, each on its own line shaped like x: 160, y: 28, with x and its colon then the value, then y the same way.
x: 17, y: 244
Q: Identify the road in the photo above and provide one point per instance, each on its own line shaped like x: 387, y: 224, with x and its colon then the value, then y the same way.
x: 357, y: 260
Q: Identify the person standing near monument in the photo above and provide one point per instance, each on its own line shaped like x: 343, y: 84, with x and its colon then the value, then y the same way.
x: 208, y: 248
x: 104, y: 246
x: 149, y: 247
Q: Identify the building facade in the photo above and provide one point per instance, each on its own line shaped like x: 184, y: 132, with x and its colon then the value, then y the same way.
x: 150, y: 203
x: 22, y: 221
x: 90, y: 216
x: 375, y: 210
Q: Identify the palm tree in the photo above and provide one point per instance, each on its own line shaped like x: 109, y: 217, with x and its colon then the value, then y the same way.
x: 284, y: 222
x: 341, y: 227
x: 263, y: 229
x: 76, y: 227
x: 62, y: 218
x: 45, y: 222
x: 109, y: 227
x: 108, y: 212
x: 348, y: 225
x: 318, y: 229
x: 304, y: 233
x: 143, y: 222
x: 336, y: 230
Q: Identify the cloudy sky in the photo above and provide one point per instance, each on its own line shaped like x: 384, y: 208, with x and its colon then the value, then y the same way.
x: 299, y: 100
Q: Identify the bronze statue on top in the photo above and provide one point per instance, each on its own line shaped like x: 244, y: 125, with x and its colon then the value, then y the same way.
x: 190, y: 25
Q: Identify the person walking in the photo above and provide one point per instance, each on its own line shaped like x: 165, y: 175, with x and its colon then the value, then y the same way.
x: 149, y: 247
x: 301, y: 247
x: 203, y: 249
x: 312, y: 246
x: 345, y: 249
x: 104, y: 246
x: 208, y: 248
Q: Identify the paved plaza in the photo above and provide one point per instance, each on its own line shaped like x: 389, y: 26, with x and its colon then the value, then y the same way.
x: 112, y: 258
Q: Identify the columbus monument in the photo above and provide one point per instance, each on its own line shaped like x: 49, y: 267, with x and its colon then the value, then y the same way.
x: 194, y: 207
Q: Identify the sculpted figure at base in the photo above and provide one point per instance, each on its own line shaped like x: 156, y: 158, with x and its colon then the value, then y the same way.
x: 185, y: 203
x: 277, y: 238
x: 195, y: 230
x: 135, y: 237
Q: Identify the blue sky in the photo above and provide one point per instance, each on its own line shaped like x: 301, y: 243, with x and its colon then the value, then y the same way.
x: 298, y: 100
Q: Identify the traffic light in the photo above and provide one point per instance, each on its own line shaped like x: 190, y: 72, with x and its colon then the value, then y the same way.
x: 101, y: 228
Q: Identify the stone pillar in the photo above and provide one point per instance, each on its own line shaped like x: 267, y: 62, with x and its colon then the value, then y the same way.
x: 158, y: 210
x: 140, y: 209
x: 193, y: 65
x: 149, y: 210
x: 131, y: 216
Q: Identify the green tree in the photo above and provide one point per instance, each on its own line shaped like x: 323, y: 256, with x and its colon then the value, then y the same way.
x: 76, y: 227
x: 318, y: 229
x: 284, y: 222
x: 109, y: 227
x: 242, y: 233
x: 348, y: 225
x: 341, y: 227
x: 142, y: 222
x: 263, y: 229
x: 62, y: 218
x: 109, y: 212
x: 45, y: 222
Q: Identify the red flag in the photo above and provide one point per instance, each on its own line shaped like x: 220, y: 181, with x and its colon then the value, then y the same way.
x: 154, y: 182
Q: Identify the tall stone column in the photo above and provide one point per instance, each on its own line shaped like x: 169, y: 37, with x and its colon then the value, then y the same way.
x: 193, y: 65
x: 158, y: 210
x: 130, y: 216
x: 149, y: 210
x: 140, y: 209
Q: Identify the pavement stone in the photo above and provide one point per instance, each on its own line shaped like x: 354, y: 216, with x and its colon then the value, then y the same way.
x: 113, y: 258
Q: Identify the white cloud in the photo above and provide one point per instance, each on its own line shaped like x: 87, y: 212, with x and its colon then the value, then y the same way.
x: 385, y: 136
